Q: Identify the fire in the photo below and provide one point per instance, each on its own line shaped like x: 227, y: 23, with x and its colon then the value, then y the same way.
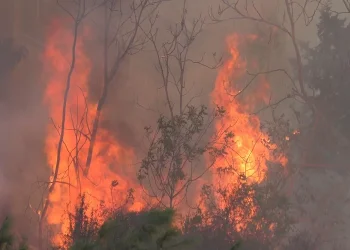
x: 111, y: 174
x: 246, y: 159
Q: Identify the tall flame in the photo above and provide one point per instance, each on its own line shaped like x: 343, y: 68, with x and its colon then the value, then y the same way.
x: 111, y: 174
x: 247, y: 157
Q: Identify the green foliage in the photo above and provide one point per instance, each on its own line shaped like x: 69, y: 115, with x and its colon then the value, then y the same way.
x: 219, y: 225
x: 6, y: 237
x: 236, y: 246
x: 23, y: 245
x: 10, y: 56
x: 176, y: 147
x: 7, y: 240
x: 175, y: 135
x: 147, y: 230
x: 326, y: 71
x: 83, y: 227
x: 325, y: 134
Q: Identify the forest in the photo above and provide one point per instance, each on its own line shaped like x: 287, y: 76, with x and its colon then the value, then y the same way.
x: 163, y: 124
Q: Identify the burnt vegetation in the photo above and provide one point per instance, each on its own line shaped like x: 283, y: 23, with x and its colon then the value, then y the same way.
x: 182, y: 147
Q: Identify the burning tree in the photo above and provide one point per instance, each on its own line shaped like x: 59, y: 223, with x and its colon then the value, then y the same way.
x: 124, y: 26
x: 323, y: 70
x: 82, y: 10
x: 244, y: 198
x: 233, y: 201
x: 181, y: 149
x: 75, y: 133
x: 286, y: 24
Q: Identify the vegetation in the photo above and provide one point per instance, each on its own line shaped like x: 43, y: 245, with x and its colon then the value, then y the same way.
x: 253, y: 216
x: 151, y: 229
x: 8, y: 241
x: 323, y: 144
x: 326, y: 71
x: 10, y: 55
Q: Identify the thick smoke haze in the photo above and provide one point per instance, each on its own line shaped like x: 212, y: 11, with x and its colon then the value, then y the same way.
x: 135, y: 99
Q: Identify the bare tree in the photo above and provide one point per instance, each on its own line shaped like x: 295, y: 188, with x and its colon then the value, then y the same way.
x: 178, y: 144
x: 347, y: 5
x: 125, y: 33
x: 293, y: 12
x: 122, y: 37
x: 81, y: 9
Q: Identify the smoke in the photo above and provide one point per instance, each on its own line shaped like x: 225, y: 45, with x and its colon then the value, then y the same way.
x: 135, y: 99
x: 22, y: 164
x: 137, y: 96
x: 22, y: 129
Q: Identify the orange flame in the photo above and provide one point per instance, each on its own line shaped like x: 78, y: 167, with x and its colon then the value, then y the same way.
x: 111, y: 174
x: 248, y: 155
